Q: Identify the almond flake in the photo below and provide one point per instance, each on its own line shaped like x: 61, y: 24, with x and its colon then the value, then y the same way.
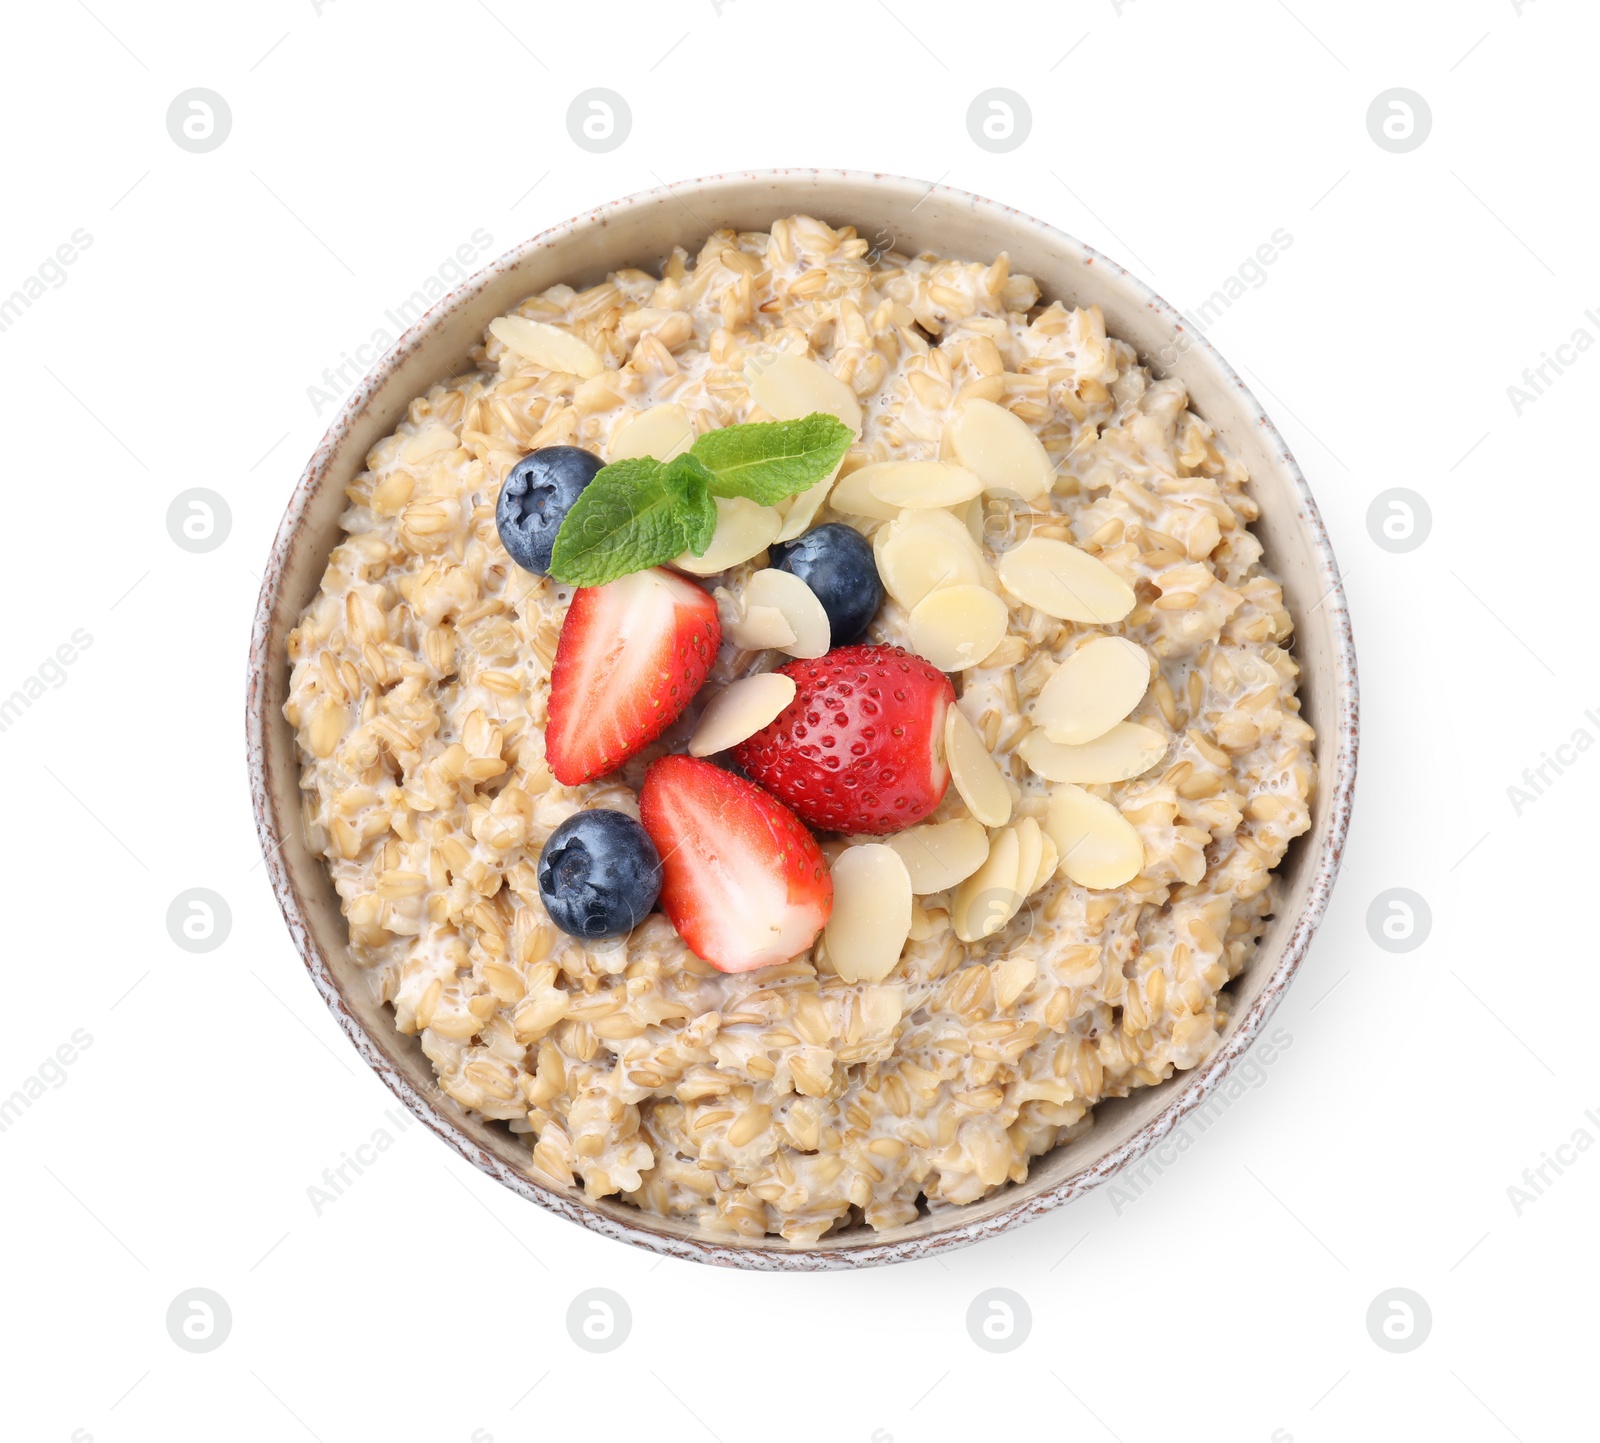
x: 977, y: 779
x: 957, y: 626
x: 922, y: 484
x: 744, y: 529
x: 990, y: 897
x: 740, y: 710
x: 871, y: 916
x: 789, y: 388
x: 1001, y: 448
x: 1055, y: 577
x: 1030, y: 852
x: 1049, y: 860
x: 799, y: 510
x: 923, y: 550
x: 853, y: 495
x: 797, y: 603
x: 971, y: 516
x: 761, y: 628
x: 546, y: 345
x: 1097, y: 844
x: 752, y: 628
x: 1092, y: 690
x: 662, y: 432
x: 941, y: 854
x: 1128, y: 750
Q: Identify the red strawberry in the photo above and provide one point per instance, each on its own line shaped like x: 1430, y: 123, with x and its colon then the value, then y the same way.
x: 632, y: 655
x: 861, y: 746
x: 745, y: 884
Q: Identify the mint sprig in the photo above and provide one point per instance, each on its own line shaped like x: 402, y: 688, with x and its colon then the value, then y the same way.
x: 640, y: 512
x: 698, y: 512
x: 634, y: 514
x: 769, y: 460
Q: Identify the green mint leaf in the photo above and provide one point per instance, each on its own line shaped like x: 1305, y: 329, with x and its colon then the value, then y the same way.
x: 685, y: 474
x: 641, y: 512
x: 701, y: 524
x: 767, y: 461
x: 697, y: 512
x: 630, y: 517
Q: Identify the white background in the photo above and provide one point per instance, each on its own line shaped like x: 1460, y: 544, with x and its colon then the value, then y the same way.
x: 367, y: 142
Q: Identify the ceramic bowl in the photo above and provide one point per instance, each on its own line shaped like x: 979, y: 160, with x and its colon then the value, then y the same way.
x: 909, y: 216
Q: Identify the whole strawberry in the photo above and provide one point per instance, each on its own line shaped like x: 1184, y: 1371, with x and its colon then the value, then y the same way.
x: 860, y: 748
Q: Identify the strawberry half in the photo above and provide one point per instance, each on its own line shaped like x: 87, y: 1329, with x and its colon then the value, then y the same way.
x: 861, y: 746
x: 742, y: 880
x: 631, y: 657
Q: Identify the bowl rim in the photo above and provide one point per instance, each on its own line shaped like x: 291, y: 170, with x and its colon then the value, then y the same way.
x: 1337, y: 758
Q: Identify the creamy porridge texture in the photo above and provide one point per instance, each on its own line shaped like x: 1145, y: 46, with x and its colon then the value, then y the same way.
x: 1124, y: 782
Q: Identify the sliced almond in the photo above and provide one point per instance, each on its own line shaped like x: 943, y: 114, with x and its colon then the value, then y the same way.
x: 1055, y: 577
x: 1001, y: 448
x: 1092, y: 690
x: 923, y: 550
x: 546, y: 345
x: 973, y: 770
x: 971, y: 516
x: 1128, y: 750
x: 789, y: 387
x: 797, y: 603
x: 1030, y: 852
x: 852, y: 495
x: 1049, y: 860
x: 744, y: 529
x: 871, y: 916
x: 740, y: 710
x: 801, y: 508
x: 990, y: 897
x: 662, y: 432
x: 763, y: 628
x: 1097, y: 844
x: 941, y: 854
x: 754, y: 628
x: 957, y: 626
x: 922, y: 484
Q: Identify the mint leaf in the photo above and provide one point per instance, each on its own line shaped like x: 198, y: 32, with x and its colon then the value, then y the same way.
x: 696, y: 510
x: 701, y: 525
x: 767, y: 461
x: 640, y: 512
x: 686, y: 475
x: 629, y: 518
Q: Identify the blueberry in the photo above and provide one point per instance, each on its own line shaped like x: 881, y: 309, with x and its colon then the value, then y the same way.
x: 835, y: 561
x: 599, y: 874
x: 535, y: 500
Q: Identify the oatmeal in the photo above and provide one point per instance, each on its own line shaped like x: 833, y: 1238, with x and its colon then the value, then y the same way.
x: 1122, y: 768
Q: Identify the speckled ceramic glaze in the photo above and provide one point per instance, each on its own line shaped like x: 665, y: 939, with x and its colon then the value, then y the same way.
x: 908, y: 216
